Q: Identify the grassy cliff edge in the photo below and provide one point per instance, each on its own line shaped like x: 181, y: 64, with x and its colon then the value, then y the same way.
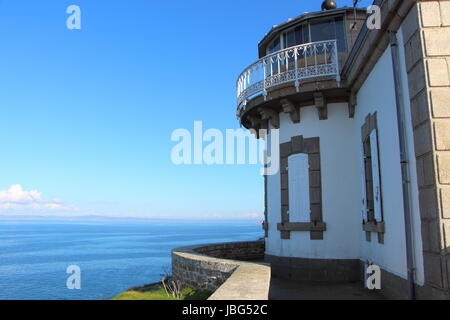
x: 156, y: 291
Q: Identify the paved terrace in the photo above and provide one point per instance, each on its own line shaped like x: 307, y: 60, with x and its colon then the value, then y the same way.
x: 281, y: 289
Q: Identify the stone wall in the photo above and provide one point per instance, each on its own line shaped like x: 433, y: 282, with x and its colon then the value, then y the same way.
x: 427, y: 46
x: 246, y: 251
x: 207, y: 267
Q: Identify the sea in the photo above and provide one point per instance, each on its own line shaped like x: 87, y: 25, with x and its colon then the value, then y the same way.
x: 112, y: 256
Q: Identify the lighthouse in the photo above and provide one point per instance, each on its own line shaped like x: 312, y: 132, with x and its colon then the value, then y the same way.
x: 363, y: 143
x: 312, y: 214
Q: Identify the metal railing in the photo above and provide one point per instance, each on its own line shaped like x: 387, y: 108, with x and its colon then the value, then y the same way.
x: 294, y: 64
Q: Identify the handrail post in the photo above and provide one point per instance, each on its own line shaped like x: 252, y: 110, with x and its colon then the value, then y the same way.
x: 279, y: 62
x: 297, y: 83
x: 336, y: 58
x: 264, y: 79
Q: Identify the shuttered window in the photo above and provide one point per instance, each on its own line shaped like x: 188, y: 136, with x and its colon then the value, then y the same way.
x: 371, y: 185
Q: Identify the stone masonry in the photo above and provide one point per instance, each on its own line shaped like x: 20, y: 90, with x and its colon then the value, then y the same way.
x: 426, y: 34
x: 246, y: 251
x: 207, y: 267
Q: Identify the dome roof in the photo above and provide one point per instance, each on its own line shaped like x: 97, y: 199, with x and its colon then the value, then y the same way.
x: 329, y: 5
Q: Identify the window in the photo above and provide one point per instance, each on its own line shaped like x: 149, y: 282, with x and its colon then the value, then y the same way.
x: 330, y: 30
x: 301, y: 188
x: 367, y: 183
x: 296, y: 36
x: 324, y: 30
x: 289, y: 39
x: 340, y: 35
x: 298, y: 177
x: 274, y: 46
x: 372, y: 200
x: 371, y: 186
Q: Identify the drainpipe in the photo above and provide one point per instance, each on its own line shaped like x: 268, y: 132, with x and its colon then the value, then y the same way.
x: 406, y: 182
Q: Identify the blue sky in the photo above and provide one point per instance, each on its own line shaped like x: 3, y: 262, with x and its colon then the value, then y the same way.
x: 87, y: 115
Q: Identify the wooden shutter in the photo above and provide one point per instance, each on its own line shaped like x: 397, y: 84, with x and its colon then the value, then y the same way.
x: 362, y: 165
x: 376, y: 176
x: 298, y: 174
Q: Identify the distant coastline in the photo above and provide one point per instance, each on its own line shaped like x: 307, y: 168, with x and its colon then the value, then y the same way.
x: 88, y: 218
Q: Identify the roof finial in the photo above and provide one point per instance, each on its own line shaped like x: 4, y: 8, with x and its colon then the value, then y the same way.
x: 329, y: 5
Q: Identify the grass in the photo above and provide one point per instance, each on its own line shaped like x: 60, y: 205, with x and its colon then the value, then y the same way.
x: 155, y: 291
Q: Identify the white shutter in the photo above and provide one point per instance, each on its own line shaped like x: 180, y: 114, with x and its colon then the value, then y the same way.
x: 299, y: 207
x: 362, y: 165
x: 376, y: 176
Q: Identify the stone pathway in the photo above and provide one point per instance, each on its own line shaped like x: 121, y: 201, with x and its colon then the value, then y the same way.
x: 281, y: 289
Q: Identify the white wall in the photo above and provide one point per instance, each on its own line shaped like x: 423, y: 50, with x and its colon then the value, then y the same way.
x: 378, y: 95
x: 340, y: 185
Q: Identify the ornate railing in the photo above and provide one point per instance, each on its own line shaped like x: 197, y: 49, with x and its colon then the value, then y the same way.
x: 294, y: 64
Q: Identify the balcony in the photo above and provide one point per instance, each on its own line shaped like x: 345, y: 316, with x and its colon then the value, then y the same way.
x: 293, y: 65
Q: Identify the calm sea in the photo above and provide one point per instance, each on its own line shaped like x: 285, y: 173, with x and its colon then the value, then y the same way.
x: 113, y: 256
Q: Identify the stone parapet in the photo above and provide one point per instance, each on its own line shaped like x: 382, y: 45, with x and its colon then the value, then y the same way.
x: 220, y: 268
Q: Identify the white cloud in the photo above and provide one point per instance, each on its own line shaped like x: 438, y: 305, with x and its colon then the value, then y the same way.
x: 16, y: 199
x: 252, y: 215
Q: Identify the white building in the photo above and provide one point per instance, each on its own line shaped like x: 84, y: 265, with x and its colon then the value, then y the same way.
x: 364, y: 126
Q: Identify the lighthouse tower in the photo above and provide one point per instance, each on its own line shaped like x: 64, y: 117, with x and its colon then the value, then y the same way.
x: 312, y: 220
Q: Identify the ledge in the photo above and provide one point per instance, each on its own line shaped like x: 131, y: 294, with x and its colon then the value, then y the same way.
x: 302, y: 226
x: 372, y: 226
x: 250, y: 281
x: 229, y: 279
x: 334, y: 93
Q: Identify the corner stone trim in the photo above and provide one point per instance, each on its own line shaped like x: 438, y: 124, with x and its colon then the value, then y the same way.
x: 311, y: 147
x: 425, y: 36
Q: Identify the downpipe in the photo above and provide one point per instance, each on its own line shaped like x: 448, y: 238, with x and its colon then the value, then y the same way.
x: 405, y: 167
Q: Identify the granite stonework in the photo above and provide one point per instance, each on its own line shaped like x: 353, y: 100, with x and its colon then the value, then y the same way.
x: 222, y: 268
x: 426, y: 40
x: 246, y: 251
x: 315, y: 270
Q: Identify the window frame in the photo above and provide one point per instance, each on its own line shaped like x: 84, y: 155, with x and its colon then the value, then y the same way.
x: 372, y: 209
